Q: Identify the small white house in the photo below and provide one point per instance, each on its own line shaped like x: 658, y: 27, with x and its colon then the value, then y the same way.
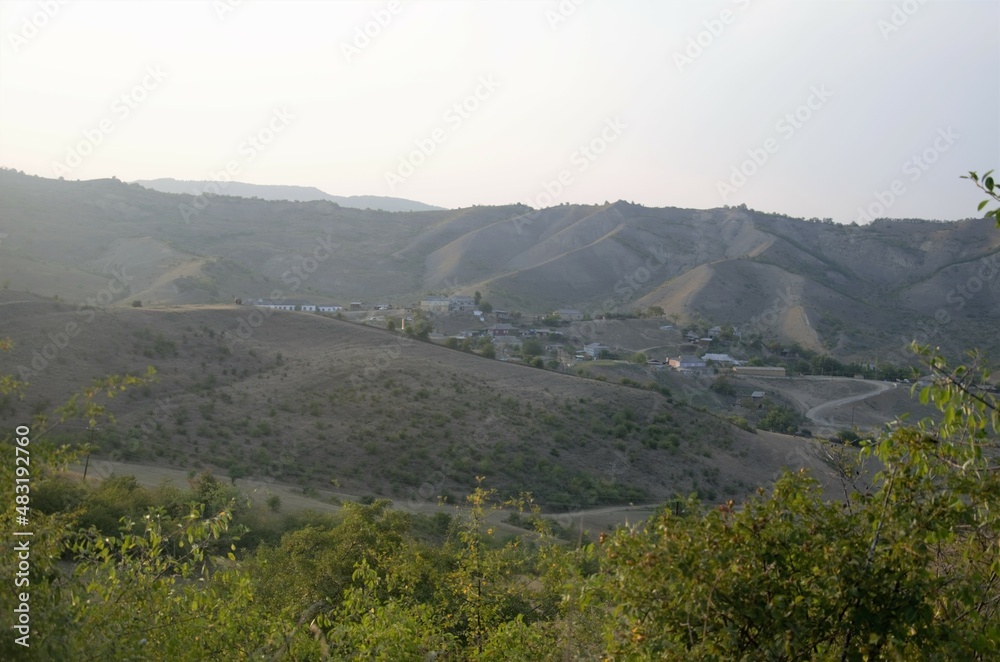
x: 329, y: 309
x: 278, y: 304
x: 462, y: 303
x: 687, y: 362
x: 719, y: 358
x: 569, y: 314
x: 435, y: 304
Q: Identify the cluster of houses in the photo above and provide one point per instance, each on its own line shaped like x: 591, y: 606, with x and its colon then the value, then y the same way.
x: 689, y: 362
x: 455, y: 304
x: 504, y: 333
x: 305, y: 306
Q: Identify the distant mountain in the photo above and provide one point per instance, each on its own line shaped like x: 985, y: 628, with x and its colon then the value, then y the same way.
x: 856, y: 292
x: 279, y: 192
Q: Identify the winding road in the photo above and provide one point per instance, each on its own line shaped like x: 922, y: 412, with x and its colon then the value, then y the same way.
x: 817, y: 413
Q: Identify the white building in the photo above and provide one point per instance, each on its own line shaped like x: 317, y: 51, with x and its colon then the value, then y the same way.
x: 687, y: 362
x: 569, y: 314
x: 462, y: 303
x: 279, y: 304
x: 719, y: 358
x: 435, y: 304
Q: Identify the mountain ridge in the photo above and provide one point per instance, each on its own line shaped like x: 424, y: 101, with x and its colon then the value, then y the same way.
x: 282, y: 192
x: 857, y: 291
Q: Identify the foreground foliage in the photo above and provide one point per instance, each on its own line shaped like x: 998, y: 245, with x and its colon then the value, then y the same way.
x: 907, y: 567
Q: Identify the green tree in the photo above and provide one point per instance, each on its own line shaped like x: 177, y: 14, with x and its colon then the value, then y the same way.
x: 780, y: 418
x: 906, y: 568
x: 723, y: 385
x: 532, y: 347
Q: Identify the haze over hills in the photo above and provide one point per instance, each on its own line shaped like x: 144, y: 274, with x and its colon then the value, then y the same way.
x: 855, y: 292
x: 280, y: 192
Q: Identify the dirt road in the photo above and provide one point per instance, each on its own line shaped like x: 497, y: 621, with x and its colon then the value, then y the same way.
x: 819, y: 413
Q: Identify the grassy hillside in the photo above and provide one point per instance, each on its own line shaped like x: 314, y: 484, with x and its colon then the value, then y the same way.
x: 308, y: 400
x: 851, y: 291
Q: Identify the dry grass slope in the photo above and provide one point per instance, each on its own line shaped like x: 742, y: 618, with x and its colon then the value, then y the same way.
x: 307, y: 400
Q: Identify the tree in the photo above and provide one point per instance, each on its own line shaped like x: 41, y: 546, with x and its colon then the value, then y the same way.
x: 906, y: 567
x: 477, y: 297
x: 532, y: 347
x: 780, y: 418
x: 723, y: 385
x: 420, y: 329
x: 236, y: 471
x: 486, y: 307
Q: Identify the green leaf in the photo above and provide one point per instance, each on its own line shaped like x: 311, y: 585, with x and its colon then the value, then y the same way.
x: 983, y: 204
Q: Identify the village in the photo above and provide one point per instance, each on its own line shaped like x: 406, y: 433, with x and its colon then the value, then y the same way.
x: 563, y: 336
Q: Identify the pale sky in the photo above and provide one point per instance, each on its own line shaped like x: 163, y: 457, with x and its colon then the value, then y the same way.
x: 809, y: 108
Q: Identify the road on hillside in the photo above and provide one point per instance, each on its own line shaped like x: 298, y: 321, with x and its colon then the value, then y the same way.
x: 818, y: 413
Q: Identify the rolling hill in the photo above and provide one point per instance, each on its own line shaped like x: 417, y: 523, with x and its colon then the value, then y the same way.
x: 308, y: 400
x: 279, y: 192
x: 855, y: 292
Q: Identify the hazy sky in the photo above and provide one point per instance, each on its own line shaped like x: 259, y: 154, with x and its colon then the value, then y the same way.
x: 809, y: 108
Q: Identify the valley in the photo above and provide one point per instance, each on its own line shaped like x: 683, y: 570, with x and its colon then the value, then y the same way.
x: 402, y: 400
